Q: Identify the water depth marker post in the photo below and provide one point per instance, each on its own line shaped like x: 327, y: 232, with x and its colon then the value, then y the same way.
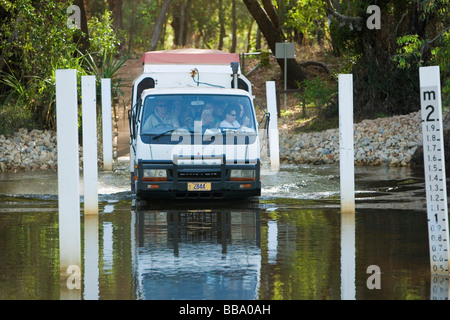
x: 434, y: 166
x: 274, y: 146
x: 107, y: 125
x: 346, y: 149
x: 68, y: 177
x: 90, y: 171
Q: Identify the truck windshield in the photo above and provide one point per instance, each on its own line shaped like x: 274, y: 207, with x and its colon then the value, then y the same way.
x: 209, y: 114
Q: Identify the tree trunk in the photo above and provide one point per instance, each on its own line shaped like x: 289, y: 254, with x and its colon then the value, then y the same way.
x: 233, y: 27
x: 274, y: 35
x: 116, y: 8
x: 249, y: 36
x: 187, y: 16
x: 180, y: 22
x: 82, y: 40
x: 222, y: 25
x: 159, y: 25
x: 258, y: 40
x: 177, y: 22
x: 132, y: 29
x: 271, y: 13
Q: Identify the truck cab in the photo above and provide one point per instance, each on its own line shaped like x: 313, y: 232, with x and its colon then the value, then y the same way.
x: 193, y: 128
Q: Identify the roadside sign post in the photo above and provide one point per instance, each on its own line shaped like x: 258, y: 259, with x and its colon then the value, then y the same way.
x: 285, y: 50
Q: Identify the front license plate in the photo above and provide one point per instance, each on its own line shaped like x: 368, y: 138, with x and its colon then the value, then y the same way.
x: 199, y: 186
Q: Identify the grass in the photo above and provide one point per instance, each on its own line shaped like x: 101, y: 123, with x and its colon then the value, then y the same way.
x: 13, y: 117
x: 316, y: 124
x: 308, y: 120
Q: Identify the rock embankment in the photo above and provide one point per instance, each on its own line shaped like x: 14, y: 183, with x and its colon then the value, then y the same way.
x: 31, y: 151
x: 384, y: 141
x: 34, y: 150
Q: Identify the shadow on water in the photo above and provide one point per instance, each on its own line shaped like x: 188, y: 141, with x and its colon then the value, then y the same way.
x: 291, y: 243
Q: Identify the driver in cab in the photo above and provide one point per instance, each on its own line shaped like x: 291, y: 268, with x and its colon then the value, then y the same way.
x: 161, y: 117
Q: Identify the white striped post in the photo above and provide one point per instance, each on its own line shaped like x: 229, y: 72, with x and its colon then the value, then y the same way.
x: 271, y: 97
x: 107, y: 125
x: 434, y: 167
x: 68, y: 182
x: 89, y: 121
x: 346, y: 152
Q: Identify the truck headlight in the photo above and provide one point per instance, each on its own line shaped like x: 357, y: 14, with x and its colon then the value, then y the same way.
x: 155, y: 175
x: 242, y: 175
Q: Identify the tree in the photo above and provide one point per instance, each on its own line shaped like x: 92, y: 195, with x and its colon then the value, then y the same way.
x: 222, y: 24
x: 387, y: 80
x: 116, y: 8
x: 269, y: 26
x: 82, y: 38
x: 157, y: 30
x: 181, y: 11
x: 233, y: 27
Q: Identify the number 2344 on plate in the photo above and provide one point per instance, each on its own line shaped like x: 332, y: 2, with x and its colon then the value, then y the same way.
x: 199, y: 186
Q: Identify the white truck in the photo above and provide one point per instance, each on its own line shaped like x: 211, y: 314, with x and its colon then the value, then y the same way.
x: 193, y: 127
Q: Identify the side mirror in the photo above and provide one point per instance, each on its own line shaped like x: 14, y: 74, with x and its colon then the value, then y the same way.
x: 131, y: 122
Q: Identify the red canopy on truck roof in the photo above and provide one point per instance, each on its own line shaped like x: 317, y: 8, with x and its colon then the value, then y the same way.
x: 189, y: 56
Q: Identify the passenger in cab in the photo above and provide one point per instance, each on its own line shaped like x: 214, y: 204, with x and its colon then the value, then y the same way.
x: 242, y: 117
x: 161, y: 117
x: 186, y: 118
x: 231, y: 112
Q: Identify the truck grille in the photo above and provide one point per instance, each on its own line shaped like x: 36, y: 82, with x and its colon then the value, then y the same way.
x: 199, y: 175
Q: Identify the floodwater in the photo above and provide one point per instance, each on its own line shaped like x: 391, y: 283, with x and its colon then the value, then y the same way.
x: 292, y: 243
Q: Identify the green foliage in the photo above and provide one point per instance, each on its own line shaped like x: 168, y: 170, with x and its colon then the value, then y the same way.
x: 410, y: 51
x: 41, y: 46
x: 308, y: 17
x: 14, y: 115
x: 441, y: 57
x: 102, y: 61
x: 32, y: 47
x: 441, y: 7
x: 102, y: 37
x: 35, y: 41
x: 138, y: 20
x: 316, y: 91
x: 387, y: 61
x: 264, y: 60
x: 107, y: 69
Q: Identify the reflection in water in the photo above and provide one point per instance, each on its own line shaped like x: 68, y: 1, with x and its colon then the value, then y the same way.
x: 91, y: 257
x: 199, y: 254
x: 294, y: 246
x: 272, y: 241
x: 29, y: 257
x: 439, y: 287
x: 108, y: 250
x: 300, y: 253
x: 348, y: 256
x: 271, y: 250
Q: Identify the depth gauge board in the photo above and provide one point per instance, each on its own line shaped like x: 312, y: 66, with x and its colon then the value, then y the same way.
x: 434, y: 167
